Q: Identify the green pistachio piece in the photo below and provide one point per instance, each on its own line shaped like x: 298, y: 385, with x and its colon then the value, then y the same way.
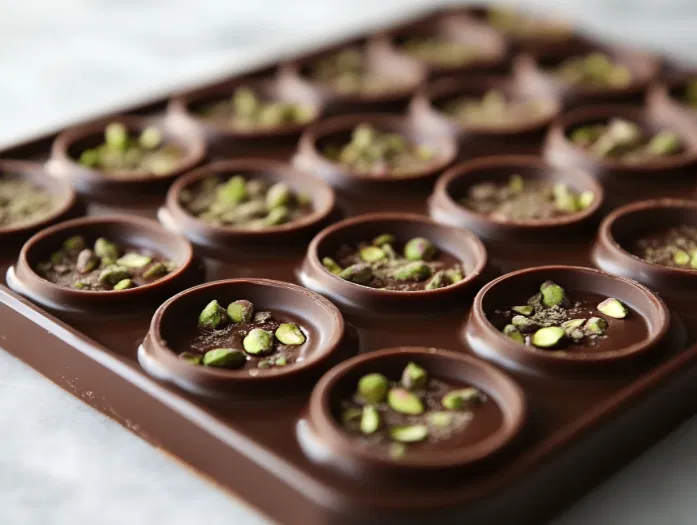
x: 224, y: 358
x: 277, y: 216
x: 459, y: 399
x: 116, y: 136
x: 511, y: 331
x: 290, y: 334
x: 414, y: 271
x: 57, y: 257
x: 402, y: 401
x: 664, y: 143
x: 351, y: 415
x: 134, y: 260
x: 552, y: 294
x: 548, y: 337
x: 372, y: 254
x: 150, y: 138
x: 455, y: 275
x: 440, y: 419
x: 281, y: 361
x: 262, y: 317
x: 124, y: 284
x: 523, y: 324
x: 80, y: 285
x: 89, y: 158
x: 585, y: 199
x: 331, y: 265
x: 258, y: 342
x: 360, y: 273
x: 75, y: 243
x: 240, y: 311
x: 572, y: 324
x: 595, y: 326
x: 86, y: 261
x: 681, y: 257
x: 156, y: 270
x: 194, y: 359
x: 409, y: 433
x: 278, y: 195
x: 373, y: 388
x: 613, y: 308
x: 113, y: 274
x: 370, y: 420
x: 106, y: 250
x: 233, y: 191
x: 419, y: 249
x: 212, y: 316
x: 564, y: 199
x: 439, y: 280
x: 414, y: 377
x: 526, y: 310
x: 385, y: 238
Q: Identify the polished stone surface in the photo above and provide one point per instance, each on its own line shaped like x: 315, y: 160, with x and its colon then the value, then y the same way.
x: 62, y: 463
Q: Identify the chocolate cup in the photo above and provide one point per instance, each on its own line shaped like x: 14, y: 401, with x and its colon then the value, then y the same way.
x: 625, y: 224
x: 343, y: 450
x: 67, y: 203
x: 478, y: 141
x: 223, y: 239
x: 489, y: 342
x: 99, y: 185
x: 461, y: 244
x: 534, y: 73
x: 444, y: 208
x: 459, y: 28
x: 664, y: 97
x: 338, y: 130
x: 622, y: 181
x: 539, y: 46
x: 319, y: 316
x: 126, y: 230
x: 380, y: 58
x: 182, y: 109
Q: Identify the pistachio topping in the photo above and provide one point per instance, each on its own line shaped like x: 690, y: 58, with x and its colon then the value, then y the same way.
x: 377, y: 153
x: 348, y: 71
x: 442, y: 51
x: 495, y: 110
x: 247, y: 109
x: 613, y: 308
x: 126, y: 154
x: 258, y: 342
x: 224, y: 358
x: 23, y: 202
x: 240, y: 311
x: 212, y: 316
x: 373, y: 388
x: 595, y: 70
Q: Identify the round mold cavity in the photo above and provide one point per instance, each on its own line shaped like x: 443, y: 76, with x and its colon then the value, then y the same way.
x: 66, y: 203
x: 537, y: 73
x: 337, y: 130
x: 230, y: 238
x: 477, y: 140
x: 612, y: 251
x: 489, y: 342
x: 502, y: 418
x: 492, y: 48
x: 453, y: 185
x: 623, y: 181
x: 326, y: 343
x: 461, y: 244
x: 99, y: 185
x: 122, y: 230
x: 380, y: 58
x: 183, y: 108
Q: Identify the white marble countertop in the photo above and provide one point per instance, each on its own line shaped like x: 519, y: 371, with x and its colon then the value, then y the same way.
x: 62, y: 463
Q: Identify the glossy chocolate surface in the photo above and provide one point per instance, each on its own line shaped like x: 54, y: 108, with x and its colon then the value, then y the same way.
x: 579, y: 420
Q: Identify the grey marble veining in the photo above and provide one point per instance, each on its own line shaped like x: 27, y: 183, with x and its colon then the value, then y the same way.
x: 62, y: 463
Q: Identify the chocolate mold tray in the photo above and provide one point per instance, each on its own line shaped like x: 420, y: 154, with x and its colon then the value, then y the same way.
x: 554, y: 423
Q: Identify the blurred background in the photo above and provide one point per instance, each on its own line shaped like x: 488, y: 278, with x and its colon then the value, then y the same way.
x: 65, y: 60
x: 62, y: 463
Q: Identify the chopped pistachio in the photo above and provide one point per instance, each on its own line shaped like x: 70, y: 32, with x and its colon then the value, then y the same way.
x: 331, y: 265
x: 357, y: 273
x: 106, y: 250
x: 526, y: 310
x: 240, y: 311
x: 290, y: 334
x: 439, y: 280
x: 595, y: 326
x: 134, y: 260
x: 511, y: 331
x: 548, y: 336
x: 402, y: 401
x: 86, y: 261
x: 440, y: 419
x: 414, y: 377
x: 258, y: 342
x: 224, y: 358
x: 372, y: 254
x: 212, y: 316
x: 194, y: 359
x: 156, y: 270
x: 524, y: 324
x: 113, y: 274
x: 75, y: 243
x: 459, y: 399
x: 419, y: 249
x: 613, y: 308
x: 124, y: 284
x: 370, y: 420
x: 385, y: 238
x: 409, y: 433
x: 414, y: 271
x: 373, y: 388
x: 552, y: 294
